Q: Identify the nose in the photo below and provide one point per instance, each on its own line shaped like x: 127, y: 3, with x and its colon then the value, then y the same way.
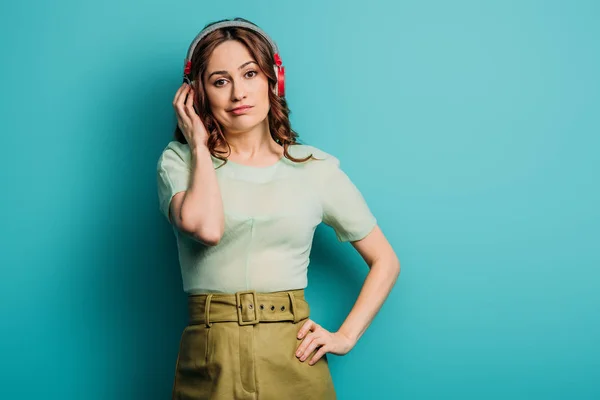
x: 238, y: 91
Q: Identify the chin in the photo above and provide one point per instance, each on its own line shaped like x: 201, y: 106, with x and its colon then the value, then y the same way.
x: 244, y: 122
x: 241, y: 126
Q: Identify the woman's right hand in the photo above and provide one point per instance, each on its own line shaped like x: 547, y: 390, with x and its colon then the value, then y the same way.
x: 188, y: 120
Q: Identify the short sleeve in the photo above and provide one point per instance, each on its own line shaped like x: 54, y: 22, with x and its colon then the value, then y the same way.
x: 173, y: 172
x: 344, y: 207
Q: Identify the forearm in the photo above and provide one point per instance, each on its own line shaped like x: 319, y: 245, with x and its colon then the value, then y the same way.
x: 202, y: 205
x: 379, y: 282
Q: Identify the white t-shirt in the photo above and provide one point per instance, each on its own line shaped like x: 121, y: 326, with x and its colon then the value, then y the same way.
x: 271, y: 214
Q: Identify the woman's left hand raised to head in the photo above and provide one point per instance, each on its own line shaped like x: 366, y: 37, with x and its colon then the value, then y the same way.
x: 315, y: 336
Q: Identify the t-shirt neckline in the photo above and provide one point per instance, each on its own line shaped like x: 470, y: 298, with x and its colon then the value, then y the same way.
x: 248, y: 172
x: 253, y: 167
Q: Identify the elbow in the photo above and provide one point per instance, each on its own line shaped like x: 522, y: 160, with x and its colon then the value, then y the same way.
x: 396, y: 267
x: 389, y: 266
x: 209, y: 237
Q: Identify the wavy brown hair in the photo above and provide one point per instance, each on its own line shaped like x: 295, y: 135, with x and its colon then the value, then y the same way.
x: 279, y: 123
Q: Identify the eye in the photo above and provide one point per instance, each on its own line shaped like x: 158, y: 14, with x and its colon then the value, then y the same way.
x: 217, y: 84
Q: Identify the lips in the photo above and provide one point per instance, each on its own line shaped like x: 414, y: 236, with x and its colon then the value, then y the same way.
x: 240, y: 110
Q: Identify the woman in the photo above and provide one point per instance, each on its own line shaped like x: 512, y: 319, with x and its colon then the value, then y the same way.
x: 244, y: 198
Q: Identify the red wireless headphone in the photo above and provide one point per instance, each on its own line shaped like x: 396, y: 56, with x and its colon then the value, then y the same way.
x: 240, y: 22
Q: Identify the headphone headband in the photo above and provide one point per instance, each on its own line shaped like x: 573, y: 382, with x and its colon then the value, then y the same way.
x: 225, y: 24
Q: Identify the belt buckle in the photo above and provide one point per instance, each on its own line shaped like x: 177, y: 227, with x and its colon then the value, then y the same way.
x: 238, y: 304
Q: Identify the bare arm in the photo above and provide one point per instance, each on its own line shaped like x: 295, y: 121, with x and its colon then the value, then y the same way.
x: 384, y: 271
x: 198, y: 211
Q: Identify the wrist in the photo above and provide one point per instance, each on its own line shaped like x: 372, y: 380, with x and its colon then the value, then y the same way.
x: 200, y: 150
x: 351, y: 338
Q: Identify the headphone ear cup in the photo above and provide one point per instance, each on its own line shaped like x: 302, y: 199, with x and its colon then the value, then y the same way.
x: 280, y: 84
x: 281, y: 81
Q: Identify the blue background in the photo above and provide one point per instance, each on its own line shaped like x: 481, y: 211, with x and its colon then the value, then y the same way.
x: 470, y: 127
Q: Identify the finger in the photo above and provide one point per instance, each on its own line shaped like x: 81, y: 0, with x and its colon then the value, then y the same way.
x: 305, y: 328
x: 179, y: 89
x: 318, y: 355
x: 178, y: 94
x: 182, y: 119
x: 189, y: 106
x: 313, y: 345
x: 311, y: 342
x: 305, y: 343
x: 181, y: 111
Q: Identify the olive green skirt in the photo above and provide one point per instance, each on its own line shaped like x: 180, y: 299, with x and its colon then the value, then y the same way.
x: 242, y: 346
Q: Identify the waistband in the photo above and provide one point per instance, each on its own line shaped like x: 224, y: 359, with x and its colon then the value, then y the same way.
x: 247, y: 307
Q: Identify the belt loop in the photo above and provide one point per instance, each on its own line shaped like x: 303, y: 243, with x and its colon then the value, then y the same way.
x: 207, y: 310
x: 293, y: 305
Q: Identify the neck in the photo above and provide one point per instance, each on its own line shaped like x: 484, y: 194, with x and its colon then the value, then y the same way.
x: 255, y: 144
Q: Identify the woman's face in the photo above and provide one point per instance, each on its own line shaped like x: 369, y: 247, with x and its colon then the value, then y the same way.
x: 233, y: 79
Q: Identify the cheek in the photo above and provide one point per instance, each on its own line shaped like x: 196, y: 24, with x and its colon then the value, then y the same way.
x: 260, y: 86
x: 215, y: 98
x: 217, y: 103
x: 264, y: 94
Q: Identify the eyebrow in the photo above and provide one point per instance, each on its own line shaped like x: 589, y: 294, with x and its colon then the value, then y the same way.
x: 225, y: 72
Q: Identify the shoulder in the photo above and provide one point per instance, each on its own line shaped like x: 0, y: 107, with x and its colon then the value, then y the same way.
x: 320, y: 156
x: 175, y: 151
x: 181, y: 149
